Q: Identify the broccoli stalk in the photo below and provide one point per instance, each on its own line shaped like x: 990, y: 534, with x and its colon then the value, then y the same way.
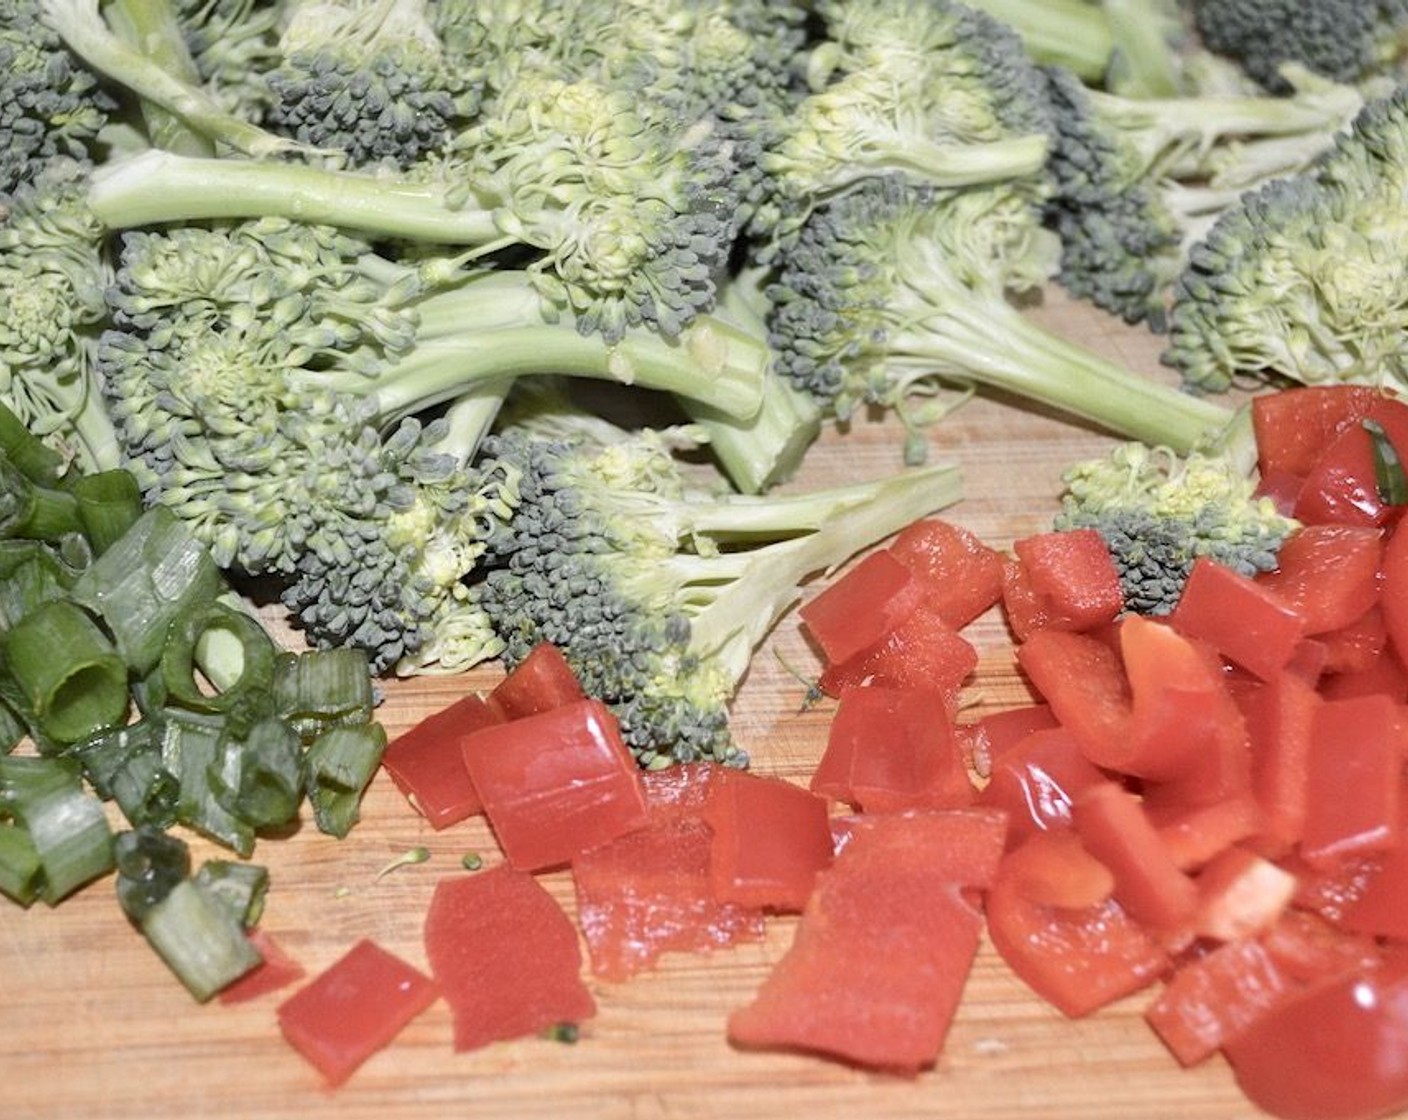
x: 1074, y: 34
x: 657, y: 592
x: 893, y: 292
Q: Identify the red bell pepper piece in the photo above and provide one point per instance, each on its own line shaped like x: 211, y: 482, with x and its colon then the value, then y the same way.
x: 354, y: 1008
x: 555, y: 784
x: 1354, y: 770
x: 991, y: 736
x: 923, y: 651
x: 1083, y: 681
x: 770, y: 840
x: 1035, y: 781
x: 542, y: 680
x: 505, y: 955
x: 1280, y: 719
x: 1341, y: 487
x: 1329, y: 574
x: 427, y: 764
x: 1072, y: 571
x: 1238, y: 617
x: 964, y: 574
x: 276, y: 970
x: 1293, y: 426
x: 858, y: 610
x: 883, y: 950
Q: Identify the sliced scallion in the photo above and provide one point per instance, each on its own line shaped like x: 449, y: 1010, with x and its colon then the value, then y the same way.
x: 193, y: 749
x: 341, y: 762
x: 149, y: 864
x: 326, y: 688
x: 232, y: 641
x: 65, y: 823
x: 240, y: 886
x: 109, y: 503
x: 194, y: 932
x: 21, y: 874
x: 265, y: 771
x: 126, y: 765
x: 32, y: 511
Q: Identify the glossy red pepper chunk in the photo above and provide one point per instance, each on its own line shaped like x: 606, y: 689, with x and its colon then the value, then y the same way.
x: 963, y: 573
x: 1238, y: 617
x: 1354, y: 776
x: 1341, y: 487
x: 354, y: 1008
x: 555, y: 784
x: 542, y: 680
x: 923, y: 651
x: 427, y: 764
x: 1035, y: 782
x: 1293, y: 426
x: 858, y: 610
x: 1071, y: 571
x: 1329, y: 574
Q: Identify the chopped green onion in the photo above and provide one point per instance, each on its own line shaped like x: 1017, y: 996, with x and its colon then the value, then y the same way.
x: 405, y: 859
x: 36, y: 460
x: 32, y: 511
x: 65, y: 823
x: 30, y: 574
x: 319, y: 689
x: 69, y: 678
x: 154, y: 574
x: 1389, y: 476
x: 149, y: 863
x: 341, y: 762
x: 266, y: 774
x: 127, y: 766
x: 229, y: 638
x: 21, y: 873
x: 240, y: 886
x: 109, y: 503
x: 193, y: 749
x: 194, y: 932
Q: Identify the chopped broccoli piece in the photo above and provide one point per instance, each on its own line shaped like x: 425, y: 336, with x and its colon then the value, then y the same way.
x: 656, y: 591
x: 1346, y: 40
x: 1159, y: 512
x: 1302, y: 280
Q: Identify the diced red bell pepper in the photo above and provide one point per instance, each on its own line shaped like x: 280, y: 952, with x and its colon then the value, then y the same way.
x: 1209, y: 1001
x: 1083, y: 681
x: 1238, y: 617
x: 892, y: 748
x: 1035, y: 781
x: 883, y: 950
x: 1073, y: 572
x: 1293, y: 426
x: 1282, y: 487
x: 1280, y: 719
x: 1240, y: 894
x: 771, y: 839
x: 1149, y: 885
x: 1393, y: 596
x: 1196, y: 834
x: 1329, y: 574
x: 1355, y: 647
x: 555, y: 784
x: 1341, y: 487
x: 1385, y: 674
x: 964, y: 573
x: 650, y: 891
x: 1380, y: 907
x: 276, y: 970
x: 427, y: 764
x: 991, y: 736
x: 1078, y: 960
x: 353, y: 1008
x: 858, y: 610
x: 505, y: 955
x: 923, y: 651
x: 1354, y: 773
x: 1059, y: 872
x: 542, y: 680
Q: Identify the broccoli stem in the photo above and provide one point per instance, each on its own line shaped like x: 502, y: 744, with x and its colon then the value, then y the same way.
x: 939, y: 164
x: 152, y: 28
x: 1144, y: 62
x: 492, y: 328
x: 154, y: 187
x: 766, y: 449
x: 989, y: 342
x: 83, y: 28
x: 1072, y: 33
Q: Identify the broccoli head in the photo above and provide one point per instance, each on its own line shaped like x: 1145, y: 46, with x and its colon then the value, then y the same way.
x: 1158, y: 512
x: 657, y: 590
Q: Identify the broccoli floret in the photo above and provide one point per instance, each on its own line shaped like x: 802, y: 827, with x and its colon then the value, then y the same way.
x: 54, y: 270
x: 233, y: 44
x: 658, y: 592
x: 934, y: 91
x: 252, y: 370
x: 1302, y: 280
x: 1346, y: 40
x: 368, y: 79
x: 1159, y: 512
x: 893, y: 292
x: 1135, y: 181
x: 51, y: 104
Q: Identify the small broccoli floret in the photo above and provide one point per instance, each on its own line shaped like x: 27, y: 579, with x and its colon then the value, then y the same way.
x: 1302, y: 280
x: 1136, y: 181
x: 51, y: 104
x: 1346, y: 40
x: 1159, y: 512
x: 233, y: 44
x: 54, y: 270
x: 368, y: 79
x: 937, y: 92
x: 893, y: 292
x: 658, y: 592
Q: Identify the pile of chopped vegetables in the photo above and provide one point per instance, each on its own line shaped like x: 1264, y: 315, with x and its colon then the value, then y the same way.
x: 457, y: 335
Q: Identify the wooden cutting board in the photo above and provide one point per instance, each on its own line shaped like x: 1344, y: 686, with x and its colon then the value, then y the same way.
x: 97, y: 1028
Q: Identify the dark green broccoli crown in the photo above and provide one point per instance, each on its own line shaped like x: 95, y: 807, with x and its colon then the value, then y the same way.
x: 584, y: 565
x: 1346, y: 40
x: 50, y: 103
x: 1118, y: 241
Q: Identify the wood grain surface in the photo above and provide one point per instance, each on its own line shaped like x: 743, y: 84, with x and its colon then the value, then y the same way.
x: 97, y: 1028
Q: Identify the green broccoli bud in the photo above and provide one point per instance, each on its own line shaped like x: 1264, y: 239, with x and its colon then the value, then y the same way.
x: 1158, y: 512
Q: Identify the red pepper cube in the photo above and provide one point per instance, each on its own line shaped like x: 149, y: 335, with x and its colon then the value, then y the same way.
x: 893, y: 748
x: 555, y: 784
x: 1035, y: 782
x: 1241, y: 894
x: 770, y: 840
x: 1083, y: 681
x: 1354, y: 770
x: 1341, y: 487
x: 1293, y: 426
x: 1393, y: 593
x: 860, y: 608
x: 991, y: 736
x: 1238, y: 617
x: 964, y: 574
x: 427, y: 764
x: 1073, y: 572
x: 1280, y: 719
x: 506, y: 957
x: 1379, y: 907
x: 354, y: 1008
x: 923, y: 651
x: 1329, y: 574
x: 542, y: 680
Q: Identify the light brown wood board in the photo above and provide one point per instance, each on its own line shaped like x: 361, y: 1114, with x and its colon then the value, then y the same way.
x: 96, y: 1028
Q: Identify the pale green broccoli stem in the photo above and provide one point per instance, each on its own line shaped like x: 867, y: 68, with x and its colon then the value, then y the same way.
x: 1072, y: 33
x: 82, y: 27
x: 1144, y: 58
x: 493, y: 328
x: 151, y: 27
x: 938, y: 164
x: 156, y: 187
x: 758, y: 453
x: 733, y: 617
x: 992, y: 344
